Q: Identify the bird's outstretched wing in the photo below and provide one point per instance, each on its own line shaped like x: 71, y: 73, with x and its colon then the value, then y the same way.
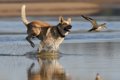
x: 93, y: 21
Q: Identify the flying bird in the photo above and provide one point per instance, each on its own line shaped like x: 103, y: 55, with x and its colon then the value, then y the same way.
x: 95, y: 27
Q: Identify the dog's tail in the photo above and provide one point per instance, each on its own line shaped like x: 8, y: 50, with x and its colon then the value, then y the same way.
x: 23, y: 15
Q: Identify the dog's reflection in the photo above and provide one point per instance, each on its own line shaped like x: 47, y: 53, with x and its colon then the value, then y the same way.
x: 50, y: 69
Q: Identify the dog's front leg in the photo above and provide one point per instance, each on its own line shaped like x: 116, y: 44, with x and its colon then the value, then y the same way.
x: 39, y: 37
x: 28, y: 38
x: 40, y: 46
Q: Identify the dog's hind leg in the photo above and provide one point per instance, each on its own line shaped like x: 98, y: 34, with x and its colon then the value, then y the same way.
x: 28, y: 38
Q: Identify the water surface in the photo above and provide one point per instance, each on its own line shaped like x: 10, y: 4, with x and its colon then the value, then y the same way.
x: 83, y: 54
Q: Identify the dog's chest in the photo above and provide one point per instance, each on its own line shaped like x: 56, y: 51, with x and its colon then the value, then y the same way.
x: 52, y: 42
x: 54, y: 38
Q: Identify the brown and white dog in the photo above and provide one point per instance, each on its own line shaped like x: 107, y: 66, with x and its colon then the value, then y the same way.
x: 54, y: 37
x: 51, y: 36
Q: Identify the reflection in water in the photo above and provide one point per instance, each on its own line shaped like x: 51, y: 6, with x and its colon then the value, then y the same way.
x: 100, y: 57
x: 50, y: 68
x: 98, y: 77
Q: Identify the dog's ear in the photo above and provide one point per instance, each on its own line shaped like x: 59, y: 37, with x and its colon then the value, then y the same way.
x: 61, y: 19
x: 69, y: 20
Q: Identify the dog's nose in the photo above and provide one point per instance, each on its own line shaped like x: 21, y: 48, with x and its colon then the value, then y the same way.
x: 69, y: 26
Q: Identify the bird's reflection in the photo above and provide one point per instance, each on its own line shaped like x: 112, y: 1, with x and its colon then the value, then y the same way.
x: 50, y: 68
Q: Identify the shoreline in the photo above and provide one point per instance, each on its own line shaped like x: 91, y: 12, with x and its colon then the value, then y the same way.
x: 49, y: 9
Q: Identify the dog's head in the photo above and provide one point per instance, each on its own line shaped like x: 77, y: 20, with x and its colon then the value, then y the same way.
x: 64, y: 26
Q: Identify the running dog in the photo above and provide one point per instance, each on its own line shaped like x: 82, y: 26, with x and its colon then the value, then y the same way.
x: 55, y: 36
x: 95, y: 26
x: 51, y: 36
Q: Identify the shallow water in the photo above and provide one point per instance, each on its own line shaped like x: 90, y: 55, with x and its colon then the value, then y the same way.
x: 83, y: 54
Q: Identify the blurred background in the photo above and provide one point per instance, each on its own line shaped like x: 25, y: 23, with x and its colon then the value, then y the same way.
x: 61, y: 7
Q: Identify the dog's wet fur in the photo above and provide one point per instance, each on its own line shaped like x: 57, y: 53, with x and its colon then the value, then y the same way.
x: 51, y: 36
x: 54, y: 37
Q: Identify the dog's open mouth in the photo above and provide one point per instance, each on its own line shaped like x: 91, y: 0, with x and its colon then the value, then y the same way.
x: 68, y: 28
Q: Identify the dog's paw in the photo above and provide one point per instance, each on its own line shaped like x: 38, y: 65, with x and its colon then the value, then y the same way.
x: 33, y: 45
